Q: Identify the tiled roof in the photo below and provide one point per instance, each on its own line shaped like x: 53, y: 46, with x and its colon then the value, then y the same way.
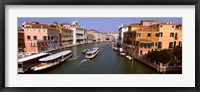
x: 41, y: 26
x: 148, y: 21
x: 144, y: 28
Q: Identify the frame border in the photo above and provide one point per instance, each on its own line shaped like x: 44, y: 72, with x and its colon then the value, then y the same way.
x: 3, y: 3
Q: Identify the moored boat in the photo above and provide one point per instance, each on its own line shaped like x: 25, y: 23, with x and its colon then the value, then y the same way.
x: 129, y: 57
x: 52, y: 60
x: 92, y: 53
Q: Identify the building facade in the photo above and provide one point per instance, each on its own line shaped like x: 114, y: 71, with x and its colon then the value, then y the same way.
x: 40, y: 37
x: 79, y: 33
x: 150, y: 35
x: 21, y: 43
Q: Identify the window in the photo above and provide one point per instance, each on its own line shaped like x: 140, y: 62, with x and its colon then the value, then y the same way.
x: 152, y: 43
x: 172, y: 26
x: 159, y: 44
x: 48, y: 38
x: 20, y: 65
x: 156, y: 43
x: 157, y: 34
x: 138, y: 34
x: 39, y: 30
x: 44, y: 30
x: 34, y: 30
x: 161, y: 34
x: 179, y: 44
x: 170, y: 44
x: 176, y: 37
x: 44, y: 37
x: 28, y: 37
x: 35, y: 37
x: 171, y: 34
x: 149, y: 34
x: 160, y: 25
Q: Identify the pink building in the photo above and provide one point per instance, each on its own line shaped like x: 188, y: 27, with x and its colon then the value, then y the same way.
x: 40, y: 37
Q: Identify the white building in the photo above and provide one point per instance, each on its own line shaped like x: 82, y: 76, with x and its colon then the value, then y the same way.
x: 122, y: 29
x: 79, y: 33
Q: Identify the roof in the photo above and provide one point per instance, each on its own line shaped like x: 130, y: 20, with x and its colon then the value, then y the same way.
x: 91, y: 50
x: 144, y: 28
x: 55, y: 56
x: 148, y: 21
x: 41, y: 26
x: 31, y: 57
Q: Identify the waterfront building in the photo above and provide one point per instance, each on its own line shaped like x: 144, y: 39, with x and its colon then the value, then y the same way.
x: 66, y: 35
x: 40, y: 37
x: 150, y: 35
x: 97, y: 36
x: 114, y: 35
x: 122, y: 28
x: 21, y: 44
x: 79, y: 33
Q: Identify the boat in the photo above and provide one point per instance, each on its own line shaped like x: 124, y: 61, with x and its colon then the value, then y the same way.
x: 53, y: 60
x: 123, y: 54
x: 129, y: 58
x: 92, y: 53
x: 26, y: 63
x: 85, y: 50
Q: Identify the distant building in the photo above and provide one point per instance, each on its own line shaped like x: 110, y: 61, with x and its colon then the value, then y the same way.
x: 149, y: 35
x: 96, y: 36
x: 40, y: 37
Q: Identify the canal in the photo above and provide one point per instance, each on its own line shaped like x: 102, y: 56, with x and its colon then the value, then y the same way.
x: 107, y: 61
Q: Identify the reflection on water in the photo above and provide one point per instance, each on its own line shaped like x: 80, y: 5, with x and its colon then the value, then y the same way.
x: 107, y: 61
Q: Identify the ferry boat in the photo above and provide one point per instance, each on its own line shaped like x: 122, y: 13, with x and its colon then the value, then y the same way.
x: 26, y: 63
x: 53, y: 60
x: 92, y: 53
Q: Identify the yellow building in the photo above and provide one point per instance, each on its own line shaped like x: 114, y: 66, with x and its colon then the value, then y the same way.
x: 151, y: 35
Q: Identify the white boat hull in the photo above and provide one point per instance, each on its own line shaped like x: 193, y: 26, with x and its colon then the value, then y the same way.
x: 92, y: 56
x: 48, y: 65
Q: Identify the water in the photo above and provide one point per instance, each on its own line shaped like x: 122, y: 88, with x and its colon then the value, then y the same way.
x: 107, y: 61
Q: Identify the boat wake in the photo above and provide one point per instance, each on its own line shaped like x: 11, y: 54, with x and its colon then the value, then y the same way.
x: 84, y: 60
x: 73, y: 58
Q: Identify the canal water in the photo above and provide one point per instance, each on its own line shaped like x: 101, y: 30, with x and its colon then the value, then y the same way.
x: 107, y: 61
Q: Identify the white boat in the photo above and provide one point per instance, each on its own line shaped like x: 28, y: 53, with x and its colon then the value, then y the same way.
x: 128, y: 57
x: 92, y: 53
x: 123, y: 54
x: 26, y: 63
x: 53, y: 60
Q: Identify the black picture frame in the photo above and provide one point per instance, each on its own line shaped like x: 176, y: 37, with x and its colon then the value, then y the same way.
x: 99, y: 2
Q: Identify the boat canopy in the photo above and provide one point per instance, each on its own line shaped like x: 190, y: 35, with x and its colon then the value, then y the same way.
x: 92, y: 50
x: 55, y: 56
x: 31, y: 57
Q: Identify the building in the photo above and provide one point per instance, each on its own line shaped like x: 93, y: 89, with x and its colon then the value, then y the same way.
x: 122, y: 28
x: 114, y: 36
x: 66, y: 35
x: 40, y: 37
x: 96, y: 36
x: 79, y: 33
x: 149, y: 35
x: 21, y: 44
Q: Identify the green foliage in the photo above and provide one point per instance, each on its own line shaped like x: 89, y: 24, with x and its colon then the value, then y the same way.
x: 163, y: 56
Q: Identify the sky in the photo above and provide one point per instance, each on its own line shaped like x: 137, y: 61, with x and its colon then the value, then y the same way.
x: 101, y: 24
